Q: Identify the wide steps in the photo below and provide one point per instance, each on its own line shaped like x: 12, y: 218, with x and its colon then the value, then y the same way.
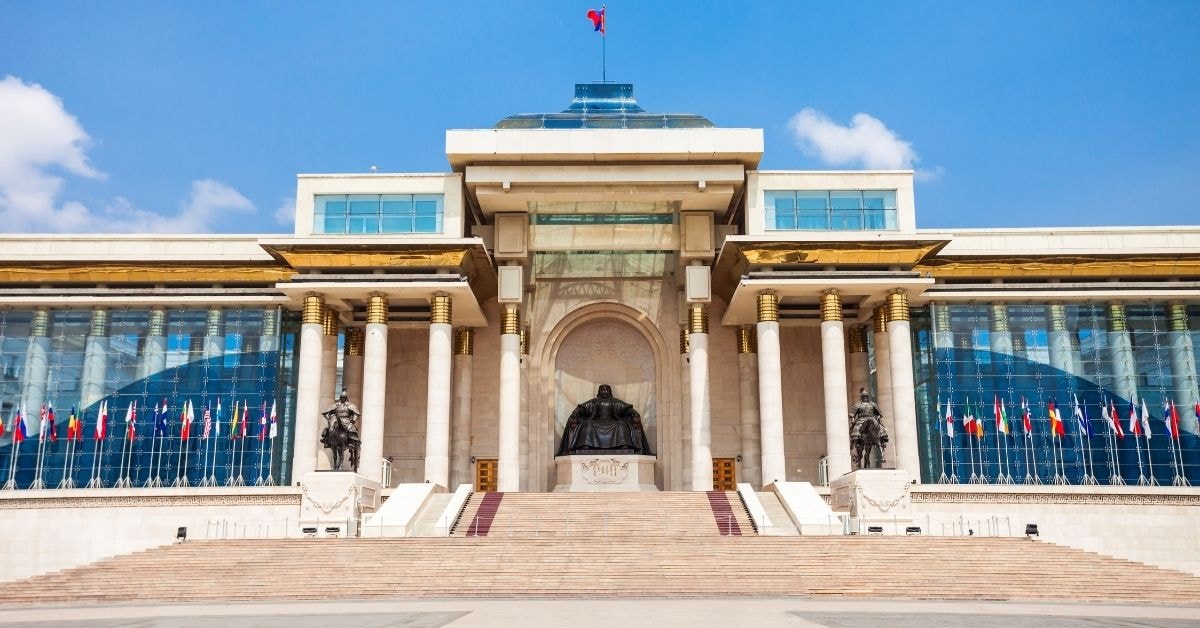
x: 628, y: 566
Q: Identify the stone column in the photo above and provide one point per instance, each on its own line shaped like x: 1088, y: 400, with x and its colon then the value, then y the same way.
x: 460, y: 454
x: 352, y: 361
x: 154, y: 350
x: 747, y: 348
x: 833, y: 370
x: 269, y: 341
x: 685, y: 408
x: 437, y: 398
x: 1120, y: 347
x: 1183, y: 365
x: 904, y: 401
x: 509, y: 462
x: 770, y: 389
x: 883, y: 372
x: 37, y: 367
x: 860, y: 369
x: 374, y: 385
x: 1058, y: 337
x: 95, y: 359
x: 214, y: 336
x: 330, y: 324
x: 701, y: 412
x: 308, y: 388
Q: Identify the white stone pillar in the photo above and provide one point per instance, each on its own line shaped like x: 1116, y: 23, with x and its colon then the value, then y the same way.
x: 1183, y: 365
x: 352, y: 361
x: 1120, y: 347
x: 904, y: 400
x: 685, y: 408
x: 330, y: 328
x: 154, y: 350
x: 269, y: 340
x: 747, y: 348
x: 857, y: 361
x: 509, y: 462
x: 214, y: 336
x: 95, y: 359
x: 308, y: 388
x: 702, y: 471
x: 833, y: 375
x: 460, y: 448
x: 883, y: 374
x: 1059, y: 339
x: 770, y: 389
x: 438, y: 391
x: 37, y: 368
x: 375, y: 351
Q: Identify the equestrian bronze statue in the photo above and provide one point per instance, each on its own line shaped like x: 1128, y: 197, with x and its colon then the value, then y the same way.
x: 868, y: 437
x: 604, y: 424
x: 341, y: 431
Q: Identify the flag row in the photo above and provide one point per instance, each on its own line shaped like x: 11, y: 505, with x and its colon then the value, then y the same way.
x: 1139, y: 425
x: 162, y: 422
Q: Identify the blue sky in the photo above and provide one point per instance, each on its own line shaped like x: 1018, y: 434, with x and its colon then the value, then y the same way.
x: 196, y: 116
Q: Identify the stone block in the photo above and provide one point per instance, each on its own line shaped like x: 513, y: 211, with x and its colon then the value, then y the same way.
x: 332, y: 499
x: 595, y: 473
x: 874, y: 497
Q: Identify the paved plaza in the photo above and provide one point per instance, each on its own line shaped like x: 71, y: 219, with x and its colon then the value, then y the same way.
x: 610, y: 612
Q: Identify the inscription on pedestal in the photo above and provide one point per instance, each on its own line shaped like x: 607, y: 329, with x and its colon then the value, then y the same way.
x: 611, y: 471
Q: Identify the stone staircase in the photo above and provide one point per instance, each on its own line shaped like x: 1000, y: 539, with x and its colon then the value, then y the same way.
x: 620, y: 565
x: 717, y: 513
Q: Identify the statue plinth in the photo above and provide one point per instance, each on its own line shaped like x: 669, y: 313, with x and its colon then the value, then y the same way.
x: 874, y: 497
x: 335, y: 499
x: 600, y: 472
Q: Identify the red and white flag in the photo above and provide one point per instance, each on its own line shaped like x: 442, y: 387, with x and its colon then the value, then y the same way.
x: 207, y: 422
x: 1146, y: 419
x: 274, y: 421
x: 1135, y: 426
x: 1114, y: 422
x: 102, y: 421
x: 131, y: 421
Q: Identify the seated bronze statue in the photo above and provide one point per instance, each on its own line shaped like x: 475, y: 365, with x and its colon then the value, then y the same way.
x: 604, y: 424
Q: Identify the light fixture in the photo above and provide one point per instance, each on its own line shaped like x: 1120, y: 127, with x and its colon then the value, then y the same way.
x: 181, y: 534
x: 472, y: 459
x: 309, y: 532
x: 913, y: 531
x: 876, y: 530
x: 1031, y: 531
x: 739, y: 458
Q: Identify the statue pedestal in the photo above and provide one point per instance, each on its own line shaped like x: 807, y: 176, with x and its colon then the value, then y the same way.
x: 874, y: 497
x: 332, y: 502
x: 594, y: 473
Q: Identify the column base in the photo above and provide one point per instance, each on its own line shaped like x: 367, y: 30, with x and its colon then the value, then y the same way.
x: 597, y: 473
x: 332, y: 503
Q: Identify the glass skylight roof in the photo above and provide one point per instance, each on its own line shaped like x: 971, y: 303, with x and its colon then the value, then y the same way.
x: 604, y: 106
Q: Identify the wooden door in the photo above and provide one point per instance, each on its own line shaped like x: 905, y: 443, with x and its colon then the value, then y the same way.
x: 724, y: 474
x: 485, y: 475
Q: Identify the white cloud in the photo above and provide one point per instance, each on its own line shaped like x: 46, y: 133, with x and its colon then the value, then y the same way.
x: 285, y: 214
x: 866, y: 142
x: 40, y: 140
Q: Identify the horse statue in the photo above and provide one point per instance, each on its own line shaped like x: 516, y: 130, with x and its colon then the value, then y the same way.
x: 341, y: 431
x: 867, y: 434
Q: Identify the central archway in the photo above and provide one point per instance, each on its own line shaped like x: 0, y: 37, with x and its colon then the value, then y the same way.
x: 572, y: 360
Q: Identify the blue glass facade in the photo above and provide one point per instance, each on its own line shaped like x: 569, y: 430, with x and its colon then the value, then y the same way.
x: 830, y: 210
x: 157, y: 362
x: 378, y: 213
x: 984, y: 360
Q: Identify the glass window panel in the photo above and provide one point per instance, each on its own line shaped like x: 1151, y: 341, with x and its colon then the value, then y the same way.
x: 814, y: 220
x: 812, y: 200
x: 364, y: 224
x: 334, y: 224
x: 777, y: 199
x: 785, y: 220
x: 363, y: 205
x: 425, y: 208
x: 397, y: 224
x: 874, y: 219
x: 392, y: 205
x: 426, y: 224
x: 845, y: 200
x: 847, y: 220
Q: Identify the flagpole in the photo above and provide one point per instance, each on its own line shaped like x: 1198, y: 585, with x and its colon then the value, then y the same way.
x: 11, y: 484
x: 941, y: 450
x: 92, y: 482
x: 204, y: 461
x: 156, y: 445
x: 68, y: 481
x: 37, y: 473
x: 122, y: 479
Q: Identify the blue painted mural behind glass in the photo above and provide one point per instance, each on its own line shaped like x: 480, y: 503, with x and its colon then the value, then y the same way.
x: 964, y: 360
x: 248, y: 362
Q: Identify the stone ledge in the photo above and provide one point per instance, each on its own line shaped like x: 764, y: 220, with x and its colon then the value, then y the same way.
x: 152, y: 497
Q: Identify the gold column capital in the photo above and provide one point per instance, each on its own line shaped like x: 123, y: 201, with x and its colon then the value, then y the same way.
x: 857, y: 339
x: 768, y: 306
x: 330, y: 321
x: 1116, y: 317
x: 157, y: 325
x: 1177, y: 316
x: 747, y: 339
x: 314, y: 309
x: 524, y: 334
x: 685, y: 341
x: 441, y: 309
x: 879, y: 319
x: 897, y: 306
x: 999, y: 316
x: 213, y: 325
x: 1058, y: 317
x: 831, y: 306
x: 510, y: 320
x: 99, y: 324
x: 464, y: 341
x: 698, y: 318
x: 355, y: 341
x: 377, y: 309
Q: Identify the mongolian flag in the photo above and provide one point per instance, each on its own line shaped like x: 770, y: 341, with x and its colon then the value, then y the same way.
x: 597, y: 18
x: 1026, y: 417
x: 274, y: 421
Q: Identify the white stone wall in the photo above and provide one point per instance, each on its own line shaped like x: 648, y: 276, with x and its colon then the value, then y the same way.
x: 803, y: 401
x: 404, y: 403
x: 62, y: 529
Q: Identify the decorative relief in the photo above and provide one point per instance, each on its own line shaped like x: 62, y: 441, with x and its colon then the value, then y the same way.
x: 1123, y: 499
x: 611, y: 471
x: 883, y: 505
x: 328, y: 507
x: 152, y: 501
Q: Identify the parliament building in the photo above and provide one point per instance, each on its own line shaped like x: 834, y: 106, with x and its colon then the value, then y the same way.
x: 1020, y: 373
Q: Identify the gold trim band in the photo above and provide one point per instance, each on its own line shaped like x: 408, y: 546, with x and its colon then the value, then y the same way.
x: 314, y: 309
x: 685, y: 341
x: 897, y: 303
x: 356, y: 339
x: 377, y: 309
x: 1058, y: 317
x: 879, y: 319
x: 464, y: 341
x: 441, y: 309
x: 1177, y: 316
x: 330, y: 322
x: 698, y: 319
x: 831, y: 306
x: 212, y: 327
x: 510, y: 320
x: 857, y: 339
x: 99, y: 324
x: 747, y: 339
x: 158, y: 323
x: 768, y: 307
x: 1116, y: 317
x: 524, y: 339
x: 999, y: 317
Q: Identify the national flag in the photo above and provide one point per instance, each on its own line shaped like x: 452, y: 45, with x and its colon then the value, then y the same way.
x: 1056, y: 424
x: 207, y: 422
x: 1135, y: 426
x: 19, y: 433
x: 1026, y: 417
x: 72, y: 426
x: 185, y: 430
x: 977, y: 421
x: 1109, y: 412
x: 217, y: 419
x: 597, y: 18
x: 1001, y: 418
x: 101, y: 422
x: 1, y: 426
x: 968, y: 419
x: 274, y: 421
x: 262, y: 423
x: 1145, y: 418
x: 1081, y: 417
x: 131, y: 422
x: 53, y: 428
x: 233, y: 422
x: 161, y: 416
x: 245, y: 417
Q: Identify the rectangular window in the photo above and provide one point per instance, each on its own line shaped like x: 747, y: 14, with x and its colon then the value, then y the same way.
x: 830, y: 210
x: 364, y: 214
